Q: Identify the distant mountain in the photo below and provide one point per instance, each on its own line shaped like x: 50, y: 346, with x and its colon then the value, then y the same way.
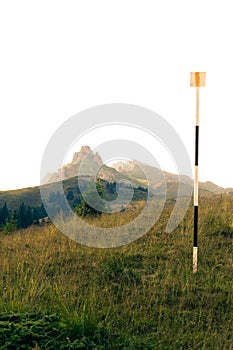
x: 91, y: 164
x: 139, y: 170
x: 133, y: 169
x: 86, y: 163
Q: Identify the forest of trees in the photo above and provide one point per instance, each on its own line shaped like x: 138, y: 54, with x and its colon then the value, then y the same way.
x: 24, y: 216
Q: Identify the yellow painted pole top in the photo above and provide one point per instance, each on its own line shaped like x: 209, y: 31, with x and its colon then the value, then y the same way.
x: 197, y: 79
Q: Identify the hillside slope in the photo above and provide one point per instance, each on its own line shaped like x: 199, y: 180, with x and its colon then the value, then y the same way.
x: 57, y: 294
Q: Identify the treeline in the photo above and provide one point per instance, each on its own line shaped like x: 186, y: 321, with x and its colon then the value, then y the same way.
x: 24, y: 216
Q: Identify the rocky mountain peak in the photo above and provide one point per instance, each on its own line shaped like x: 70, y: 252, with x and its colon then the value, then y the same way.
x: 83, y: 153
x: 122, y: 166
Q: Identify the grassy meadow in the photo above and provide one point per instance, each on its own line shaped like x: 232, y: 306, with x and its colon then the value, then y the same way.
x: 58, y: 294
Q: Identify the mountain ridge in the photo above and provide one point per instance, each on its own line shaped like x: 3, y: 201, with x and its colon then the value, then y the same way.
x: 131, y: 171
x: 87, y: 163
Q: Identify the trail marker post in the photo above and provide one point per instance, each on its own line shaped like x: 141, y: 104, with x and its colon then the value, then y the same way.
x: 197, y: 80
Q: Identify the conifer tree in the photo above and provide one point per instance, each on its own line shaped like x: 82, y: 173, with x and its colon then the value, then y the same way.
x: 5, y: 213
x: 10, y: 225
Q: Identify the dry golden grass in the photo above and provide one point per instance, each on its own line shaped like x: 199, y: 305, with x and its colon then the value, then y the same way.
x: 145, y: 290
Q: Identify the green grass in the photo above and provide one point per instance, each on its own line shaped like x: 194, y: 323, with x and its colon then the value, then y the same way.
x: 57, y: 294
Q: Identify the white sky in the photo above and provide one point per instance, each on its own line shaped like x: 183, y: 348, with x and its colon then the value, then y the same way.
x: 60, y: 57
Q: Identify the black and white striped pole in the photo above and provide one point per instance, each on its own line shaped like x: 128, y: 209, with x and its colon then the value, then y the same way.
x: 197, y: 80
